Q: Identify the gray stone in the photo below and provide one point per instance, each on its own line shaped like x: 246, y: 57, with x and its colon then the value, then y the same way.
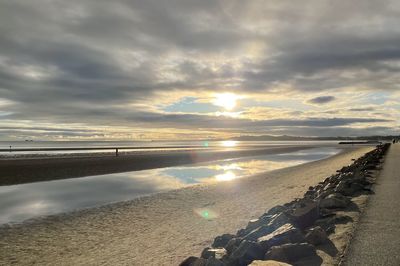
x: 276, y: 222
x: 193, y: 261
x: 291, y: 253
x: 344, y: 187
x: 285, y: 234
x: 233, y: 244
x: 246, y: 253
x: 222, y: 240
x: 316, y: 236
x: 214, y: 262
x: 334, y: 201
x: 276, y: 210
x: 304, y: 213
x: 253, y: 224
x: 217, y: 253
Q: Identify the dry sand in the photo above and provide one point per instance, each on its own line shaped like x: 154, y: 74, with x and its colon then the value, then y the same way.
x: 164, y: 228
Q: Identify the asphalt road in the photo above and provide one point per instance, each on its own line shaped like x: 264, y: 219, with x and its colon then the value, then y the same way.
x: 377, y: 237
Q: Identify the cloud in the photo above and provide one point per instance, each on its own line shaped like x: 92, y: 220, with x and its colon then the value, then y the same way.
x: 322, y: 100
x: 365, y: 109
x: 109, y: 62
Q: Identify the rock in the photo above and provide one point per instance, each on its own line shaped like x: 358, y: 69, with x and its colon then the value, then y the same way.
x: 214, y: 262
x: 356, y: 186
x: 217, y: 253
x: 276, y: 222
x: 246, y: 253
x: 316, y: 236
x: 242, y: 232
x: 285, y: 234
x: 304, y: 214
x: 291, y: 253
x: 275, y: 210
x: 253, y: 224
x: 193, y: 261
x: 334, y: 201
x: 350, y: 187
x: 328, y: 224
x: 233, y: 244
x: 268, y: 263
x: 222, y: 240
x: 344, y: 187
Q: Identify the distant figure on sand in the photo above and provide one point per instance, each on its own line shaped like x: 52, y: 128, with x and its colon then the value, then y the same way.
x: 116, y: 152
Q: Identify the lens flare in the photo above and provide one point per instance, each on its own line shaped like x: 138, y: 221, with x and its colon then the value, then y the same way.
x: 206, y: 213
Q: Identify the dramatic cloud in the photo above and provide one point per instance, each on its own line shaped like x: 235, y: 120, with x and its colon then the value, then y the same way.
x: 125, y: 64
x: 322, y: 99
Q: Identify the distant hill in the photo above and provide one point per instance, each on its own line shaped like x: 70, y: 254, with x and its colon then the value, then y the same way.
x: 299, y: 138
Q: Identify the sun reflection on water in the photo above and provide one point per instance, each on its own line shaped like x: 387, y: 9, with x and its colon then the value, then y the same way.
x: 227, y: 176
x: 229, y: 143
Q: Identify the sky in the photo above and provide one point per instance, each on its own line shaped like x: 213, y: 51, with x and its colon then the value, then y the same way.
x: 190, y: 69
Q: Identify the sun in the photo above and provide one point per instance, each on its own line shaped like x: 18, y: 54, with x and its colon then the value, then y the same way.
x: 226, y: 100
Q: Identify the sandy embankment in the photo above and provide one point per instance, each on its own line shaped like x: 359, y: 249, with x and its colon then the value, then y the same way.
x: 162, y: 229
x: 25, y: 170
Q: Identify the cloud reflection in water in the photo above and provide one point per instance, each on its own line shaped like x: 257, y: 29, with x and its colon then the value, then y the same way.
x: 25, y: 201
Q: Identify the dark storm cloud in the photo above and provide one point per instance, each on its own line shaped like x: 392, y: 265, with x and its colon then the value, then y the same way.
x: 366, y: 109
x: 73, y: 61
x: 322, y: 99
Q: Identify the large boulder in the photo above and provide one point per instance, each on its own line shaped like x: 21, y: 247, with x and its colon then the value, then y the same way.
x: 275, y: 210
x: 214, y: 262
x: 246, y: 253
x: 304, y: 213
x: 316, y: 236
x: 253, y: 224
x: 233, y: 244
x: 222, y: 240
x: 193, y: 261
x: 334, y: 201
x: 285, y: 234
x: 277, y: 221
x: 345, y: 187
x: 217, y: 253
x: 328, y: 223
x: 291, y: 253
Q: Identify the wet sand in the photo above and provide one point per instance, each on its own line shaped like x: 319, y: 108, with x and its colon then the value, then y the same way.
x: 20, y: 170
x: 164, y: 228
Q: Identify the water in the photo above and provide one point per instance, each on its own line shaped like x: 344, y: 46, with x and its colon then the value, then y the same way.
x: 138, y: 145
x: 21, y: 202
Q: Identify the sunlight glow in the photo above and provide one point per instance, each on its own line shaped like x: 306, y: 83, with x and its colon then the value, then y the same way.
x: 226, y: 176
x: 233, y: 166
x: 226, y: 100
x: 229, y: 143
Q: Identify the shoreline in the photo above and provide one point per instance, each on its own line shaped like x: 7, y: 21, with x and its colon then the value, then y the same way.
x: 140, y: 231
x: 315, y: 229
x: 28, y: 170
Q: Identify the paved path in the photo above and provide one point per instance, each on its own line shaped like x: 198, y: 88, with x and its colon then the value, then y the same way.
x: 377, y: 238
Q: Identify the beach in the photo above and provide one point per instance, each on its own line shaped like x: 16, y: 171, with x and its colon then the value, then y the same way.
x: 26, y: 169
x: 164, y: 228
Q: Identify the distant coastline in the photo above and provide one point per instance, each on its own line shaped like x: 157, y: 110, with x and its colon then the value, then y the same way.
x: 300, y: 138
